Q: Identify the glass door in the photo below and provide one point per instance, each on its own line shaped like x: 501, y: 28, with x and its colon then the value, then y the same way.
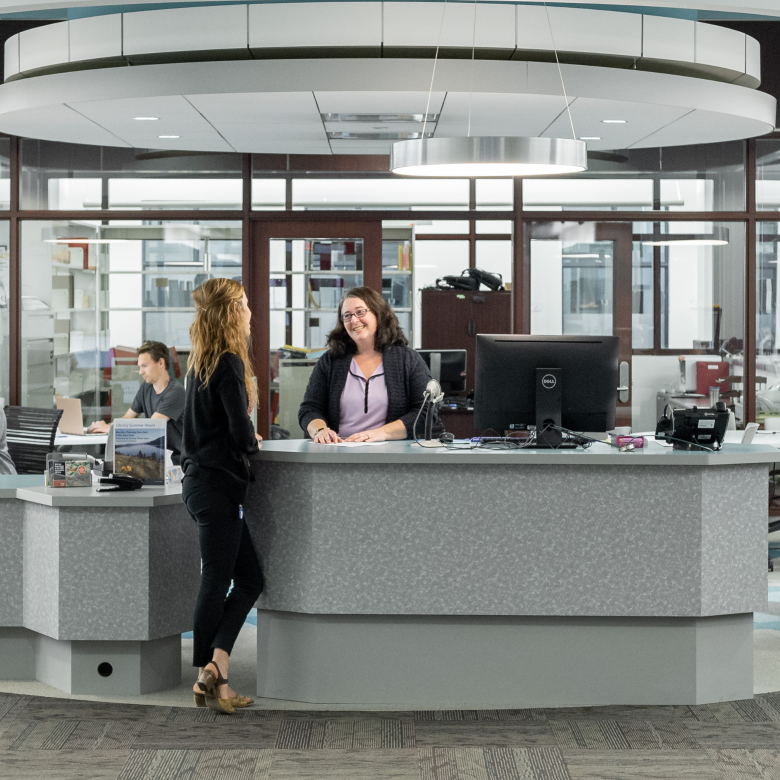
x: 304, y: 270
x: 582, y: 281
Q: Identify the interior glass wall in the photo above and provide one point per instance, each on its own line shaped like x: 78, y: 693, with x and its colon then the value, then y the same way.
x: 92, y: 293
x: 5, y: 287
x: 707, y: 177
x: 698, y: 317
x: 767, y: 325
x: 73, y: 177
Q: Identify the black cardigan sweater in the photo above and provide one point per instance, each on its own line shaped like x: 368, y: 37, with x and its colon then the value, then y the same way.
x: 217, y: 433
x: 406, y: 376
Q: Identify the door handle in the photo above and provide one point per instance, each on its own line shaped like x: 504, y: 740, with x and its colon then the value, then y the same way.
x: 624, y: 389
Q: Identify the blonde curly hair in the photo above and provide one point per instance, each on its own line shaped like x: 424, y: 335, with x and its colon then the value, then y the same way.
x: 219, y: 328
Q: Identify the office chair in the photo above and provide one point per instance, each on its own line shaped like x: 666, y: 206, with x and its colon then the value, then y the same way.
x: 30, y: 436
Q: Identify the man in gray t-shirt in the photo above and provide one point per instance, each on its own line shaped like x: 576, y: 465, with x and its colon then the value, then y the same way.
x: 159, y: 396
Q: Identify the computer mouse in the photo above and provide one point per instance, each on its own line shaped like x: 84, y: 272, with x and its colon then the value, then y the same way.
x: 447, y: 438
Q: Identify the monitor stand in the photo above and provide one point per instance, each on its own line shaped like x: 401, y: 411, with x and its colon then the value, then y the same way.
x: 549, y: 394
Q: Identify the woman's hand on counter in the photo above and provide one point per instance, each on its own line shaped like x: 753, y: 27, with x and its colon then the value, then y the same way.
x: 259, y: 440
x: 327, y: 436
x: 376, y: 435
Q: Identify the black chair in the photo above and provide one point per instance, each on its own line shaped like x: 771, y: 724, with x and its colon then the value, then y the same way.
x: 30, y: 436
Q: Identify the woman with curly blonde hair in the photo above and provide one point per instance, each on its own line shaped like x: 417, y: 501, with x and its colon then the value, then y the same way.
x: 218, y: 437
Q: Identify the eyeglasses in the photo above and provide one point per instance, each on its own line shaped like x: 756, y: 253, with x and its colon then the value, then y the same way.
x: 359, y: 313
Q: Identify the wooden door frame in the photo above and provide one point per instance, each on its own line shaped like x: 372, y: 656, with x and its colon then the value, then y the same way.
x: 622, y: 300
x: 258, y: 283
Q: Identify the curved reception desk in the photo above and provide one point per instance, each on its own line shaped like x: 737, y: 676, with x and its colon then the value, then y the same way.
x: 97, y: 588
x: 437, y: 578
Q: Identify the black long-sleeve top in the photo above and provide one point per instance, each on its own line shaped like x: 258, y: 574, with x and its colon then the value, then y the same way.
x: 406, y: 376
x: 217, y: 433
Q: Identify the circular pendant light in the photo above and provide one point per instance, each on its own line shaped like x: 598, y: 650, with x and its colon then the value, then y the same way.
x: 488, y: 156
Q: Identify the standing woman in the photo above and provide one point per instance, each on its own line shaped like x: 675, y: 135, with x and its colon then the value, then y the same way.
x: 216, y: 440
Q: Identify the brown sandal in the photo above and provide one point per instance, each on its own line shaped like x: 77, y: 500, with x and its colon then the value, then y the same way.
x: 208, y: 683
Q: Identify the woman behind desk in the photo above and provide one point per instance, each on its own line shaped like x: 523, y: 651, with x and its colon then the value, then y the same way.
x: 369, y: 385
x: 218, y: 437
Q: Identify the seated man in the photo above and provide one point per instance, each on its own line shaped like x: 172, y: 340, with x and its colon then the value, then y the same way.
x: 159, y: 396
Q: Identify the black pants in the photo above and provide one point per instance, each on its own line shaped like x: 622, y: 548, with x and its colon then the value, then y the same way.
x: 227, y: 555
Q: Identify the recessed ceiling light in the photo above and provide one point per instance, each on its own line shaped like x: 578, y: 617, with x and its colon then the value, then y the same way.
x: 614, y: 121
x: 146, y: 118
x: 169, y: 136
x: 590, y: 138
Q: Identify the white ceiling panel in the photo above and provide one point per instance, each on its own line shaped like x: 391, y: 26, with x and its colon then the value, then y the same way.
x: 282, y: 107
x: 361, y: 147
x: 588, y: 115
x: 378, y: 102
x: 57, y: 123
x: 497, y: 114
x: 702, y: 127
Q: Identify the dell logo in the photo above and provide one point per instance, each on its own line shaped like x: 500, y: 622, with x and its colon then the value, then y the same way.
x: 548, y: 381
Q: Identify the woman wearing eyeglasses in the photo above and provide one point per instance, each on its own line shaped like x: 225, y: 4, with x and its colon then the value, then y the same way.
x: 369, y: 385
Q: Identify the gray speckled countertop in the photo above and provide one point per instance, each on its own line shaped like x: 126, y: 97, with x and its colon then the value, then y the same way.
x: 654, y: 454
x: 89, y: 497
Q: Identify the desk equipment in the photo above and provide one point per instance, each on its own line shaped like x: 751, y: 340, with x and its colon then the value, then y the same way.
x: 447, y: 367
x: 689, y: 429
x: 72, y: 420
x: 546, y: 381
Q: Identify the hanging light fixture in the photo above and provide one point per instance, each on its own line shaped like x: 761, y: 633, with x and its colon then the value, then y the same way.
x: 719, y: 236
x: 488, y: 155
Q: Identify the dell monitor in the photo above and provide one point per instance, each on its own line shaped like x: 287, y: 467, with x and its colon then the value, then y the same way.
x: 447, y: 367
x: 565, y: 381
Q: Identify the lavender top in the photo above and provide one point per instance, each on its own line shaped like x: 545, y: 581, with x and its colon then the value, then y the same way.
x: 363, y: 402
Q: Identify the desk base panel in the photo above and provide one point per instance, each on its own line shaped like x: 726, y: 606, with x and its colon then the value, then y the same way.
x: 73, y: 666
x: 448, y: 662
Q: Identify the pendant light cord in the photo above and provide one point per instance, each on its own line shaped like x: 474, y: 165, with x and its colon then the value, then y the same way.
x: 433, y: 74
x: 557, y: 62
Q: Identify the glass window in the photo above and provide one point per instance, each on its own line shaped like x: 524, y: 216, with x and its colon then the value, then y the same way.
x: 308, y: 279
x: 700, y: 268
x: 434, y: 259
x: 4, y: 318
x: 397, y: 275
x: 91, y: 293
x: 74, y: 177
x: 767, y: 174
x: 496, y: 258
x: 767, y: 330
x: 402, y: 194
x: 707, y: 177
x: 5, y: 175
x: 269, y: 194
x: 495, y: 194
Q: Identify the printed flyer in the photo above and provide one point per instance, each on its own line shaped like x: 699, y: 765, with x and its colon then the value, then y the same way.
x: 139, y: 449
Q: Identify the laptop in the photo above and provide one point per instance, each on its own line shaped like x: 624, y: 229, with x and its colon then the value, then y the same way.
x: 72, y: 420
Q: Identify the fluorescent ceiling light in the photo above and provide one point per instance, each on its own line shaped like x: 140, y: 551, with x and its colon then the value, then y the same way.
x: 488, y: 156
x: 146, y: 118
x: 375, y: 136
x: 718, y: 237
x: 379, y: 118
x: 590, y: 138
x: 613, y: 121
x: 169, y: 136
x: 84, y: 240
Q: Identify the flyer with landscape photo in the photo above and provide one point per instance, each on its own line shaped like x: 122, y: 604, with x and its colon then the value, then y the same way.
x: 139, y: 449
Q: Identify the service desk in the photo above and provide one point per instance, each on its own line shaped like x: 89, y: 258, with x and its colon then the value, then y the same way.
x: 434, y: 578
x: 97, y: 587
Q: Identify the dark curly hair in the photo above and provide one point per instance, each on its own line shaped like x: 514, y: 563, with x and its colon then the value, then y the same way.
x: 388, y: 331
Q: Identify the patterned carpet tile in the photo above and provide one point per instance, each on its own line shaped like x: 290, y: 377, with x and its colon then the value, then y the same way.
x: 42, y: 708
x: 226, y: 733
x: 492, y: 764
x: 640, y: 765
x: 364, y: 734
x: 57, y: 734
x: 747, y: 764
x: 623, y: 735
x: 736, y: 735
x: 344, y: 765
x: 197, y: 765
x: 62, y: 765
x: 621, y: 712
x: 255, y: 713
x: 484, y: 734
x: 469, y: 715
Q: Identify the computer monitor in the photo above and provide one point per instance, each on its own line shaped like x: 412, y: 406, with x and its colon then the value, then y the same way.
x: 447, y: 367
x: 569, y: 381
